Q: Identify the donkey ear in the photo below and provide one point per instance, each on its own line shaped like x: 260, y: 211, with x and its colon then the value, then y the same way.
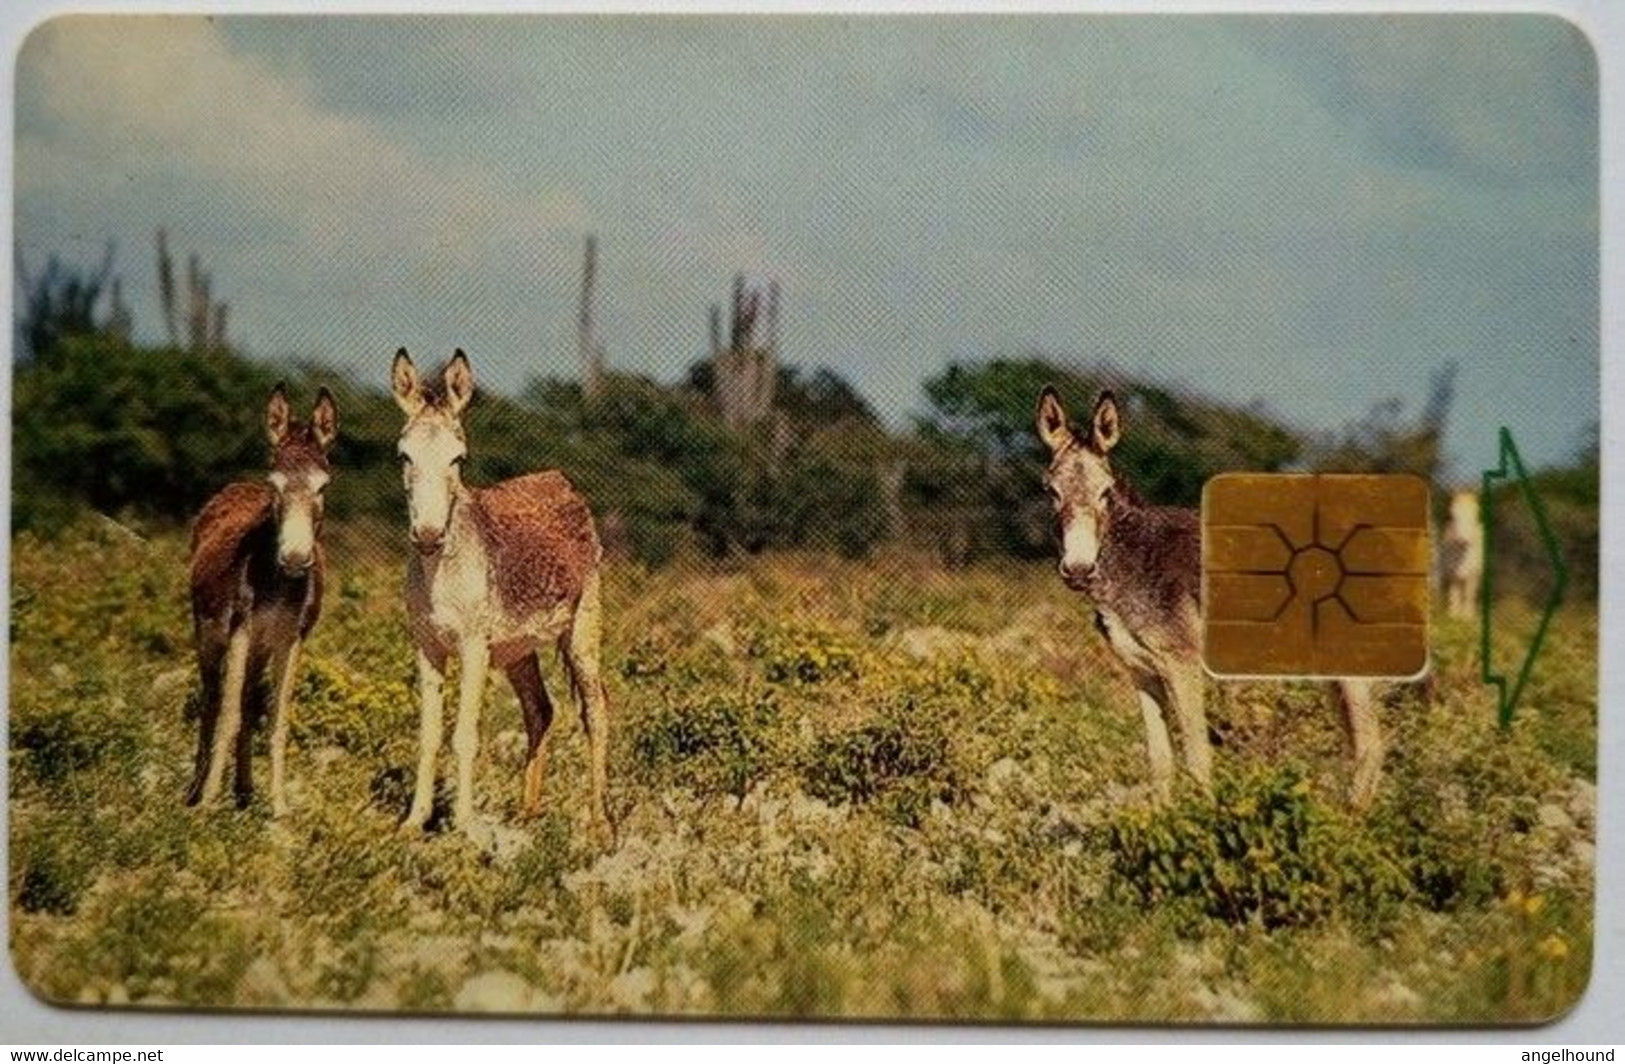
x: 324, y: 420
x: 459, y: 381
x: 277, y: 414
x: 1051, y: 419
x: 1108, y: 423
x: 404, y: 382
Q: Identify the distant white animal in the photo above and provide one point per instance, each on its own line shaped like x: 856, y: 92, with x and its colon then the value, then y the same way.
x: 1461, y: 555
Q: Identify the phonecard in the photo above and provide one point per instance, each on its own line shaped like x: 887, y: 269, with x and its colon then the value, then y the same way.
x: 1040, y: 518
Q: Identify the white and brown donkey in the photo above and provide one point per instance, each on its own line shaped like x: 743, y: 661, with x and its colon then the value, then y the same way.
x: 256, y: 573
x: 495, y: 574
x: 1142, y: 565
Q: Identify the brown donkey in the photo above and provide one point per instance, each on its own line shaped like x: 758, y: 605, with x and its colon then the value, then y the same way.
x: 495, y: 574
x: 1142, y: 565
x: 256, y: 593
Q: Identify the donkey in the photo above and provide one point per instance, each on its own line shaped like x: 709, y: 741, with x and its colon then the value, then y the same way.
x: 495, y: 573
x: 1142, y: 565
x: 256, y: 573
x: 1461, y: 555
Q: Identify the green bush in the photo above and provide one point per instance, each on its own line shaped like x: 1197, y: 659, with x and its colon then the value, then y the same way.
x: 1446, y: 864
x: 50, y: 871
x: 538, y: 870
x: 718, y: 745
x: 116, y: 427
x: 1451, y: 847
x: 804, y: 655
x: 1264, y: 851
x: 58, y: 742
x: 900, y: 761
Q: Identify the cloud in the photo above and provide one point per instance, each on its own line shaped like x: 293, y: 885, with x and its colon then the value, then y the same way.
x: 129, y: 123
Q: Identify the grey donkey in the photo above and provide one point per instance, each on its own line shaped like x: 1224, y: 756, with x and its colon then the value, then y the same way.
x: 1142, y: 566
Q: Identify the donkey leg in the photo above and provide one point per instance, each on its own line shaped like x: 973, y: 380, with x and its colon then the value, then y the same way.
x: 526, y: 677
x: 1188, y: 690
x: 582, y: 656
x: 1359, y: 706
x: 243, y: 755
x: 211, y: 664
x: 431, y: 720
x: 230, y: 719
x: 284, y: 664
x: 466, y: 739
x: 253, y: 703
x: 1159, y: 750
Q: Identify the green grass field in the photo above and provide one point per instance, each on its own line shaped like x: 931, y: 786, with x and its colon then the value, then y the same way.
x: 843, y: 789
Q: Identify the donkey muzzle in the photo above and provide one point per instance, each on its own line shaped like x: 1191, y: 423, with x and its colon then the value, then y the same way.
x: 1076, y: 577
x: 427, y: 541
x: 296, y: 564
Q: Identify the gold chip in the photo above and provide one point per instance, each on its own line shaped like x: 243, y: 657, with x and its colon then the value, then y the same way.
x: 1321, y: 575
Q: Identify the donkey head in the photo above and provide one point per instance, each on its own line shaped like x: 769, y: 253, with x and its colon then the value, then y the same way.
x: 432, y: 445
x: 1079, y: 479
x: 299, y: 473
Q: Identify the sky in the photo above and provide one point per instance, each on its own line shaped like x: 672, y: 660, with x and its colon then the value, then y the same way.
x: 1313, y: 213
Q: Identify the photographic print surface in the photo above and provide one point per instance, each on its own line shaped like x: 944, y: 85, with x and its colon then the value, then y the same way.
x: 702, y: 516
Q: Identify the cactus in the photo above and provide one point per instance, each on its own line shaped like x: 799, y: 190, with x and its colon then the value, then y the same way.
x: 205, y: 319
x: 588, y: 348
x: 166, y: 286
x: 745, y: 372
x: 62, y: 302
x: 119, y: 320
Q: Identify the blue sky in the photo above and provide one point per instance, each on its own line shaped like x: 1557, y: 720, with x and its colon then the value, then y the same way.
x: 1314, y: 213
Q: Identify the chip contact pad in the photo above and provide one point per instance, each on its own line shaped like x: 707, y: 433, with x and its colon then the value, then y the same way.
x: 1315, y: 575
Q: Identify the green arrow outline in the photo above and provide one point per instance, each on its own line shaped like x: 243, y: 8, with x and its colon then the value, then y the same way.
x: 1509, y: 455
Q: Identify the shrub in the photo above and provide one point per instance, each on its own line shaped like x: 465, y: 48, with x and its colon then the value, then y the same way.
x: 961, y: 678
x: 59, y: 742
x: 1446, y: 864
x: 115, y: 426
x: 538, y: 870
x: 51, y: 871
x: 901, y: 761
x: 828, y: 500
x: 1262, y: 852
x: 721, y: 744
x: 804, y: 655
x: 1449, y: 844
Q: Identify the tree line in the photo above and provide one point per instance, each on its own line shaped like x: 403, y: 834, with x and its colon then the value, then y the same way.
x: 103, y: 423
